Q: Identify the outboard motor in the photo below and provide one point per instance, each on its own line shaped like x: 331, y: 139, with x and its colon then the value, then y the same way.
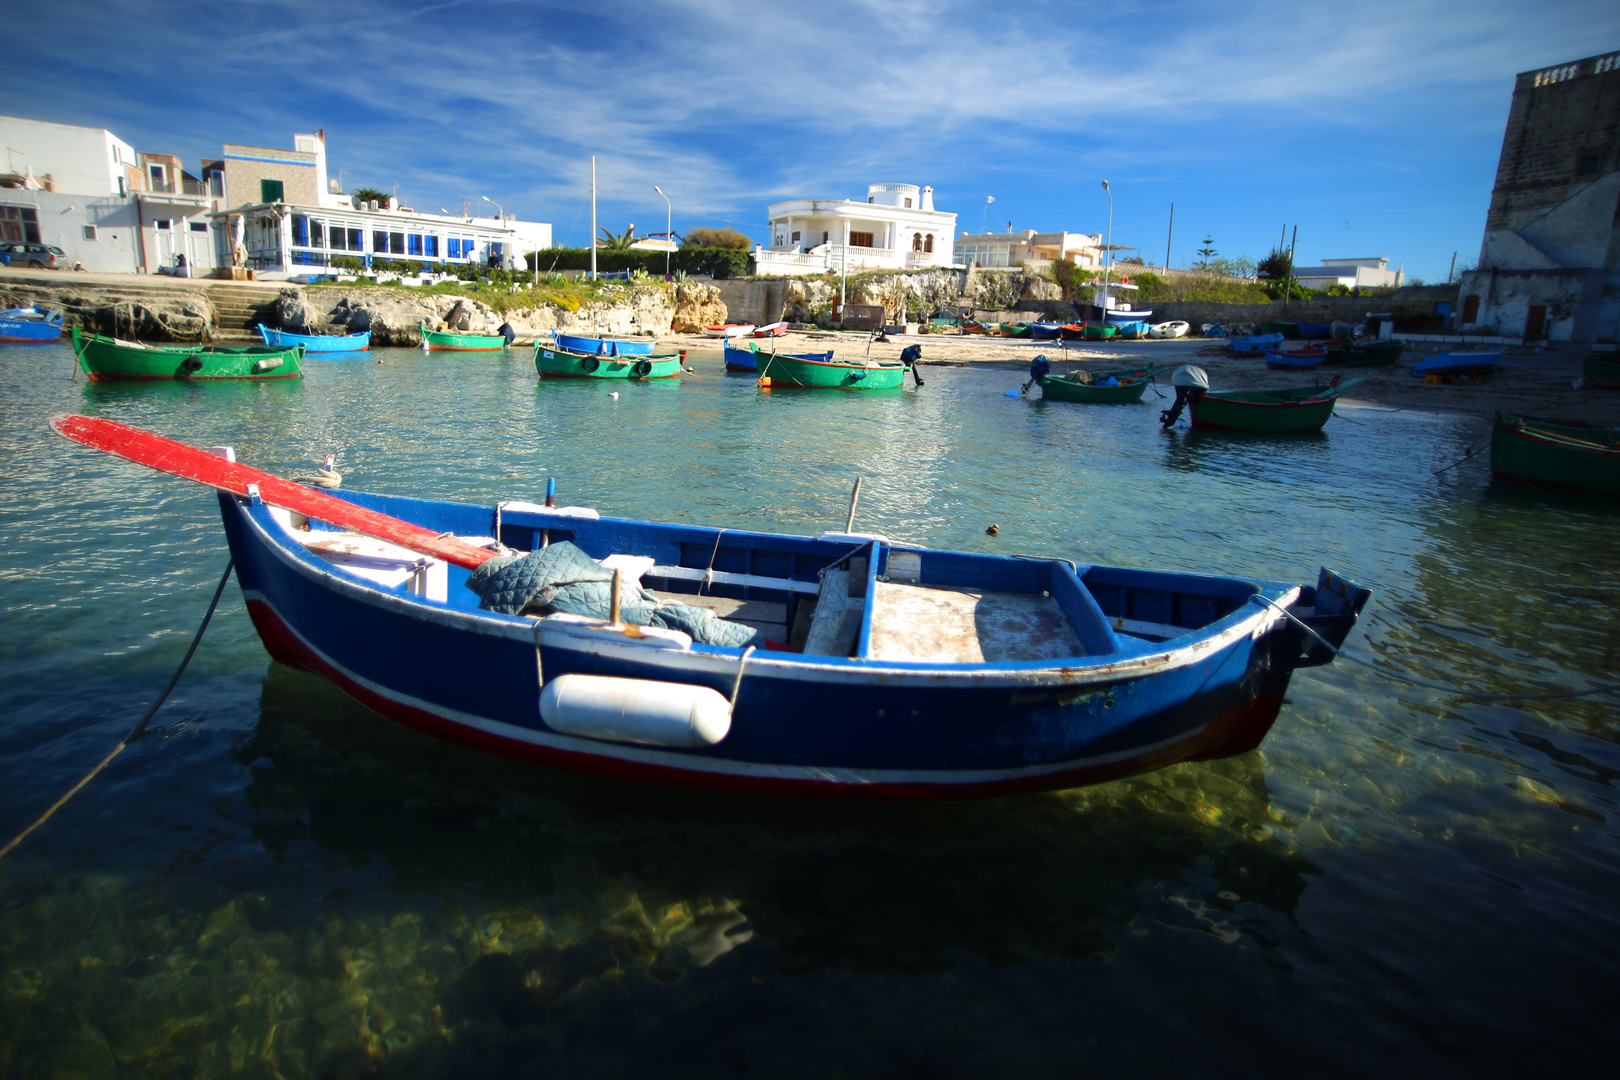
x: 909, y: 357
x: 507, y: 332
x: 1190, y: 383
x: 1039, y: 368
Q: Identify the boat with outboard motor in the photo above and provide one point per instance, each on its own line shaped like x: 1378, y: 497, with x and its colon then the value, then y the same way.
x: 106, y: 358
x: 316, y: 343
x: 845, y: 665
x: 31, y: 325
x: 739, y: 359
x: 602, y: 346
x: 554, y: 363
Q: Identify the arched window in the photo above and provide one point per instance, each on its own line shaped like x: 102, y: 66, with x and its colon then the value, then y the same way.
x: 916, y: 241
x: 928, y: 244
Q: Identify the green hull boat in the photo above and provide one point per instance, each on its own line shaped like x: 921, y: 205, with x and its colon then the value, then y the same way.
x: 109, y: 358
x: 1547, y: 454
x: 829, y: 374
x: 1302, y: 408
x: 1132, y: 385
x: 444, y: 341
x: 554, y: 363
x: 1602, y: 370
x: 1098, y: 332
x: 1370, y: 353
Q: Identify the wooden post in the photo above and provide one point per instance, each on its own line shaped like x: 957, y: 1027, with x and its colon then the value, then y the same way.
x: 854, y: 496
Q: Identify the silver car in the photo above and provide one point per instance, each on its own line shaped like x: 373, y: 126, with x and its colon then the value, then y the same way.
x: 44, y: 256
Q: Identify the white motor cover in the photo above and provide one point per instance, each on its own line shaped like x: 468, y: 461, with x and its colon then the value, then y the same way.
x: 635, y: 711
x: 1187, y: 375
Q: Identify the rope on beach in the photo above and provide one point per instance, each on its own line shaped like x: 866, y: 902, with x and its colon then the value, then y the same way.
x: 139, y: 727
x: 1339, y: 653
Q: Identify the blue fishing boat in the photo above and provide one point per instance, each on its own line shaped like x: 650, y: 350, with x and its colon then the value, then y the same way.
x: 1315, y: 330
x: 1127, y: 315
x: 603, y: 346
x: 1254, y: 345
x: 1295, y: 359
x: 1045, y: 330
x: 1130, y: 331
x: 316, y: 343
x: 842, y: 665
x: 748, y: 359
x: 30, y: 326
x: 1475, y: 365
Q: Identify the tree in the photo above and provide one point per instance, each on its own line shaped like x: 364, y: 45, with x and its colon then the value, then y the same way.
x: 617, y: 241
x: 716, y: 238
x: 1205, y: 253
x: 1277, y: 265
x: 370, y: 194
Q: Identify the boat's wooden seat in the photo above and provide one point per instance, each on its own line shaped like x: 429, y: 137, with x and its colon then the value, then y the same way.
x: 967, y: 626
x: 769, y: 619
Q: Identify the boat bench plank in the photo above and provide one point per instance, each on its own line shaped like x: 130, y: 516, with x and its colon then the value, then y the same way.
x: 768, y: 618
x: 967, y: 626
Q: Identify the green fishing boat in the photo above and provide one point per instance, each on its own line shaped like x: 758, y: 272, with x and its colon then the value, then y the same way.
x: 1099, y: 331
x: 1301, y: 408
x: 554, y: 363
x: 829, y: 374
x: 109, y: 358
x: 1372, y: 353
x: 445, y: 341
x: 1548, y: 454
x: 1602, y: 370
x: 1085, y: 386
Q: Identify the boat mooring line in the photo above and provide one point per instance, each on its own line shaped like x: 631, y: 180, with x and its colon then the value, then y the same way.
x: 134, y: 732
x: 1476, y: 448
x: 1341, y: 654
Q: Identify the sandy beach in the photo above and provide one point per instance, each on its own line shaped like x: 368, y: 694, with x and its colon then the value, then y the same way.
x: 1536, y: 383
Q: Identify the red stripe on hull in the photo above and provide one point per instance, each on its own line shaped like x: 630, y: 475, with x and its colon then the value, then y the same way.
x: 94, y: 377
x: 30, y: 340
x: 624, y: 378
x: 464, y: 348
x: 1232, y: 732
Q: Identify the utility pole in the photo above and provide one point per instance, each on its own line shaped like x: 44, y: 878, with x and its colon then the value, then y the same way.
x: 843, y: 284
x: 593, y: 217
x: 1168, y: 235
x: 1289, y: 287
x: 1451, y: 275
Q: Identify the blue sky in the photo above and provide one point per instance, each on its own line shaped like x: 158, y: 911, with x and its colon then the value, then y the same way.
x: 1374, y: 127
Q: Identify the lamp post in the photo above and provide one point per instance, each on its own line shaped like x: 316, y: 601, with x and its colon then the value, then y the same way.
x: 1108, y: 249
x: 669, y: 226
x: 500, y: 211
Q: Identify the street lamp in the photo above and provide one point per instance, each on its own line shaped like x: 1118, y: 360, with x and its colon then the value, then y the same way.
x: 500, y: 211
x: 669, y: 225
x: 1108, y: 249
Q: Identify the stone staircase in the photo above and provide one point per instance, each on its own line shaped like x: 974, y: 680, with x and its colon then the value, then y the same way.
x: 239, y: 309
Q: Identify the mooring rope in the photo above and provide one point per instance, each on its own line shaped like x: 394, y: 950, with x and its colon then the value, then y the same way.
x: 1341, y: 654
x: 139, y: 727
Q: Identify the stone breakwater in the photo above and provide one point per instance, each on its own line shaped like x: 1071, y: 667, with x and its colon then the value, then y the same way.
x: 149, y: 309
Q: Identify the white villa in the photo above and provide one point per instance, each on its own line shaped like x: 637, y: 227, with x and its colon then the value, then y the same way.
x: 896, y: 228
x: 1351, y: 273
x: 1016, y: 249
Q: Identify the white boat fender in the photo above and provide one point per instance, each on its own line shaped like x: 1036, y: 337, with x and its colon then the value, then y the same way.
x: 642, y: 711
x: 267, y: 364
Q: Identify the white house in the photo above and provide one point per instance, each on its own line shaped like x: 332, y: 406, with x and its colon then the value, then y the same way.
x: 896, y: 228
x: 1014, y: 249
x: 292, y: 223
x: 1351, y: 273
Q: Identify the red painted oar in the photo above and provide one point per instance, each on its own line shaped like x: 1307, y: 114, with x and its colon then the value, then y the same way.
x: 178, y: 459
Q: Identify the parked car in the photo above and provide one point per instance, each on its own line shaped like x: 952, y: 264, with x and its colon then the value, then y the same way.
x: 42, y: 255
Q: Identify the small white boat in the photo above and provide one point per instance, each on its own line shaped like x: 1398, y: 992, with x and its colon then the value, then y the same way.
x: 729, y: 330
x: 1172, y: 329
x: 775, y: 329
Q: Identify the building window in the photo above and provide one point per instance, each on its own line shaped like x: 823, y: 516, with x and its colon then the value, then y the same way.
x: 161, y: 223
x: 824, y: 237
x: 317, y: 233
x: 795, y: 238
x: 158, y: 181
x: 379, y: 242
x: 455, y: 247
x: 396, y: 243
x: 928, y: 243
x: 301, y: 230
x: 199, y: 226
x: 271, y: 191
x: 89, y: 232
x: 19, y: 223
x: 356, y: 236
x: 916, y: 241
x: 430, y: 246
x: 413, y: 243
x: 871, y: 198
x: 860, y: 239
x: 908, y: 204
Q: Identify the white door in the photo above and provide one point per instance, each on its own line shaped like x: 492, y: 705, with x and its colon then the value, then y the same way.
x: 165, y: 243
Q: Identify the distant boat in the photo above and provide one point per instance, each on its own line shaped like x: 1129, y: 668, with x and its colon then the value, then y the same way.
x: 974, y: 326
x: 1551, y: 454
x: 1601, y: 371
x: 1045, y: 330
x: 1303, y: 408
x: 1315, y: 330
x: 1473, y: 365
x: 1016, y: 330
x: 1295, y: 359
x: 445, y: 341
x: 30, y: 326
x: 1097, y: 387
x: 1173, y: 329
x: 779, y: 370
x: 313, y: 343
x: 109, y: 358
x: 1130, y: 331
x: 775, y: 329
x: 1286, y: 329
x: 748, y: 359
x: 555, y: 363
x: 1100, y: 331
x: 1336, y: 349
x: 1073, y: 331
x: 602, y: 346
x: 1255, y: 345
x: 729, y: 330
x: 1126, y: 315
x: 1373, y: 353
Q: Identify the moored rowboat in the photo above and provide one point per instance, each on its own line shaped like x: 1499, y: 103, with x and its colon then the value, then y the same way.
x: 316, y: 343
x: 729, y: 330
x: 445, y: 341
x: 602, y: 346
x: 109, y: 358
x: 1545, y: 453
x: 1303, y: 408
x: 781, y: 370
x: 1295, y: 359
x: 920, y: 674
x: 1097, y: 387
x: 554, y: 363
x: 749, y: 359
x: 30, y: 326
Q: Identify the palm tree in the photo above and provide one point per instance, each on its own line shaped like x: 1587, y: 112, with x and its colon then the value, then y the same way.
x: 617, y: 241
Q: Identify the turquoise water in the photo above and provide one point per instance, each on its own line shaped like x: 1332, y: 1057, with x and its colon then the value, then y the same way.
x: 276, y: 882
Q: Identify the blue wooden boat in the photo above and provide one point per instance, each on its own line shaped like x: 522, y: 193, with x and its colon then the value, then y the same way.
x: 1045, y: 330
x: 30, y: 326
x: 1295, y: 359
x: 843, y: 665
x: 1127, y: 315
x: 1130, y: 331
x: 316, y: 343
x: 603, y: 346
x: 1254, y: 345
x: 748, y: 359
x: 1315, y: 330
x: 1474, y: 365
